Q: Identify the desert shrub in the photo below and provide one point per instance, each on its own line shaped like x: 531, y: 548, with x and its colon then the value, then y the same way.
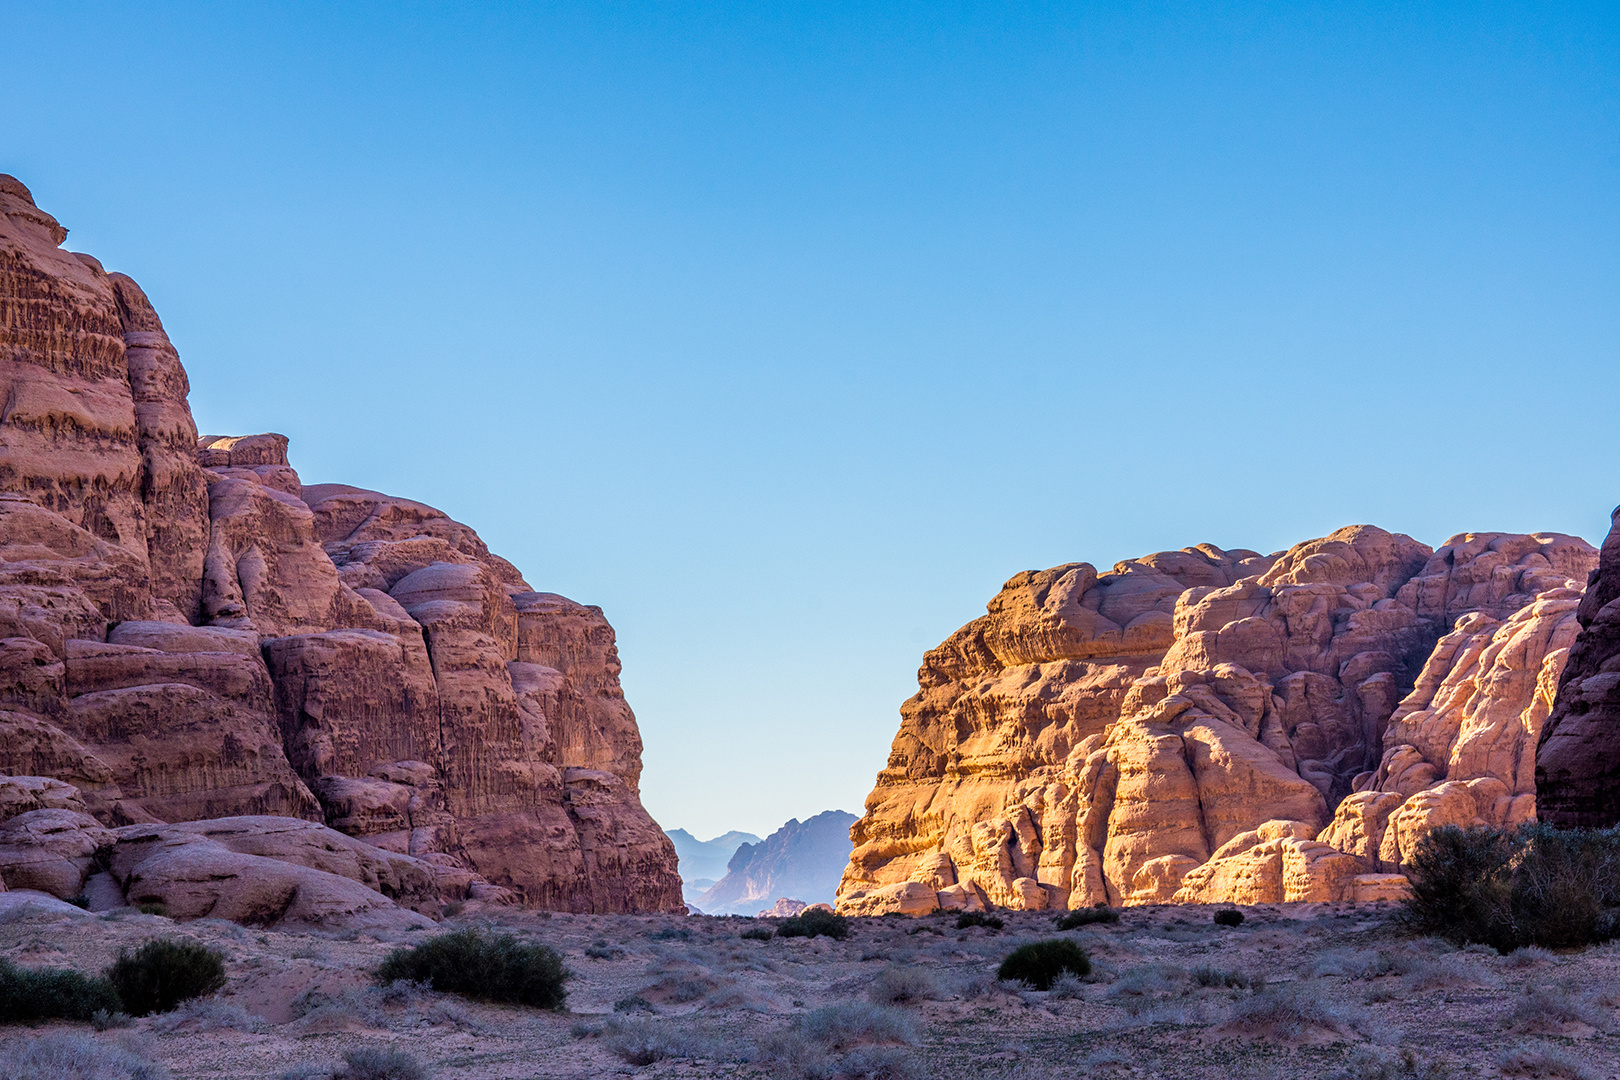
x: 1365, y: 964
x: 209, y: 1015
x: 29, y: 996
x: 486, y: 968
x: 1528, y: 956
x: 1544, y: 1010
x: 1368, y: 1063
x: 643, y: 1044
x: 601, y: 950
x: 1533, y: 885
x: 164, y: 972
x: 1210, y: 977
x: 1543, y: 1061
x: 1287, y: 1014
x: 854, y: 1023
x: 1228, y: 917
x: 1149, y: 987
x: 679, y: 987
x: 1066, y: 987
x: 671, y: 933
x: 915, y: 930
x: 372, y: 1064
x: 153, y: 909
x: 107, y: 1020
x: 814, y: 922
x: 633, y: 1003
x: 355, y: 1004
x: 1039, y: 962
x: 877, y: 1063
x: 978, y: 918
x: 1441, y: 973
x: 756, y: 933
x: 1086, y: 916
x: 899, y: 984
x: 62, y: 1056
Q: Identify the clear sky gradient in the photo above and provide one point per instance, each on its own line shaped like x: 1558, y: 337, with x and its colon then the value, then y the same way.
x: 787, y: 332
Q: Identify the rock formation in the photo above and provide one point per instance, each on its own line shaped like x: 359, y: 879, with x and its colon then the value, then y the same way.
x: 1205, y: 725
x: 802, y: 861
x: 189, y: 633
x: 1578, y: 760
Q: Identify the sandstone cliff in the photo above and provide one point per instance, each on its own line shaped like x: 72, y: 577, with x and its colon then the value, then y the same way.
x: 188, y: 632
x: 1578, y: 760
x: 1205, y: 725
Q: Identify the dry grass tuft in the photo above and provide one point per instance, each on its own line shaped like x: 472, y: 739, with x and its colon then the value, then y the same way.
x: 1547, y: 1010
x: 77, y: 1057
x: 898, y: 984
x: 1289, y: 1014
x: 1541, y: 1060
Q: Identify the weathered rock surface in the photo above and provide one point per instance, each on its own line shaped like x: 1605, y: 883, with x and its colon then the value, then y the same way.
x: 1210, y: 726
x: 51, y: 851
x: 802, y: 859
x: 189, y: 633
x: 1578, y: 759
x: 269, y: 872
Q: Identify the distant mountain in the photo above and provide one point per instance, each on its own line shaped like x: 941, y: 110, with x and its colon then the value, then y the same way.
x: 703, y: 862
x: 801, y: 860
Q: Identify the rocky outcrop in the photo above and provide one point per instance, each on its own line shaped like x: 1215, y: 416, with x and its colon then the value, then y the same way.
x: 189, y: 633
x: 1578, y: 759
x: 1208, y: 725
x: 802, y: 860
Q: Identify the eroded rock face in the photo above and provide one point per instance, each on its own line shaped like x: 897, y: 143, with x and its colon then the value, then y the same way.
x: 1578, y: 760
x: 188, y: 633
x: 1208, y: 726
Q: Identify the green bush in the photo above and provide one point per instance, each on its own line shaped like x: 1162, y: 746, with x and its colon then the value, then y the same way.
x: 756, y: 933
x: 1229, y: 917
x: 1087, y: 916
x: 1040, y: 962
x: 814, y: 922
x: 978, y: 918
x: 1508, y: 888
x: 164, y: 972
x: 29, y: 996
x: 470, y: 964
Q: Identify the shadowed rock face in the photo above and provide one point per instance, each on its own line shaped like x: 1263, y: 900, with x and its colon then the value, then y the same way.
x: 187, y: 632
x: 1205, y: 725
x: 1578, y: 760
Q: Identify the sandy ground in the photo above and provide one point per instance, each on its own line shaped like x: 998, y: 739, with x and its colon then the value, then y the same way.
x: 1346, y: 994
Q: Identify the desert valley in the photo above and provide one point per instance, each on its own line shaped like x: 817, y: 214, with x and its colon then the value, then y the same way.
x: 308, y: 727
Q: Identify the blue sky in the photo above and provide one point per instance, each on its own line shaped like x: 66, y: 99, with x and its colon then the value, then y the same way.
x: 787, y: 332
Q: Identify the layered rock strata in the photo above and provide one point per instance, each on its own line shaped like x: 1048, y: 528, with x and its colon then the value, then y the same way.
x: 188, y: 632
x: 1578, y: 759
x: 1207, y: 725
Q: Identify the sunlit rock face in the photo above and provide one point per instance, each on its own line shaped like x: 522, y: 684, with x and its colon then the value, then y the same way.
x: 1205, y: 725
x: 187, y: 632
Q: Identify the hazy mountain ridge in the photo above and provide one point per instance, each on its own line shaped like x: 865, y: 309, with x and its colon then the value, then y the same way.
x: 801, y: 860
x: 703, y: 862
